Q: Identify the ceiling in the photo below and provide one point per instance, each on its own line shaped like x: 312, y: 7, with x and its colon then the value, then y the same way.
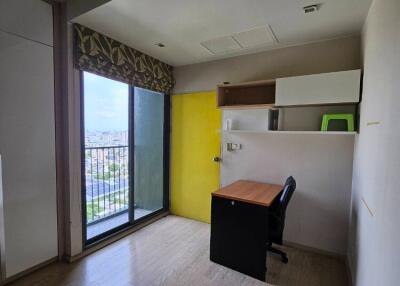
x: 203, y: 30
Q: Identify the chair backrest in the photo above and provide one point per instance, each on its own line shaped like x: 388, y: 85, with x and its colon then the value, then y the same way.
x: 277, y: 213
x: 287, y: 193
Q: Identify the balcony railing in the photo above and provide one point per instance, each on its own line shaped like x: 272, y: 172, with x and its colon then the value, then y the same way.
x: 107, y: 182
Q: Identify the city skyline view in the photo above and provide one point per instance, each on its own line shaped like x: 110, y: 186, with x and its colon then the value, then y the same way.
x: 106, y: 152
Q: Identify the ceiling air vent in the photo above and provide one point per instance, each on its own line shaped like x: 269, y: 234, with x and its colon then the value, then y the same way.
x: 256, y: 37
x: 221, y: 45
x: 259, y: 36
x: 311, y: 8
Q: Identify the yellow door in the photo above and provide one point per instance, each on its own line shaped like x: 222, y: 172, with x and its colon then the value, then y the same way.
x: 195, y: 141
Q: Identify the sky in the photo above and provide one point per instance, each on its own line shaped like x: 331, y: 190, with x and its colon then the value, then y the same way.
x: 105, y: 103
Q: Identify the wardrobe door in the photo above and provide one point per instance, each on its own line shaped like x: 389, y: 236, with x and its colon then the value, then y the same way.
x: 27, y: 148
x: 29, y: 19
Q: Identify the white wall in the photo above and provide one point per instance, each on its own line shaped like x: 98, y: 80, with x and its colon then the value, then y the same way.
x: 27, y: 135
x: 328, y: 56
x: 374, y: 252
x: 322, y: 164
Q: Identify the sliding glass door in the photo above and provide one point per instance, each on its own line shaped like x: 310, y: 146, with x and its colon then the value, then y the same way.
x: 106, y: 160
x: 123, y: 155
x: 148, y: 151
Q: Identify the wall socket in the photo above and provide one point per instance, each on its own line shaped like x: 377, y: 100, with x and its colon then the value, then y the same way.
x: 233, y: 146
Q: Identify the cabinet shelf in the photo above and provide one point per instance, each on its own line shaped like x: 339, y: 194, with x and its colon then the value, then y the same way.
x: 256, y: 93
x: 335, y: 88
x: 249, y: 106
x: 292, y: 132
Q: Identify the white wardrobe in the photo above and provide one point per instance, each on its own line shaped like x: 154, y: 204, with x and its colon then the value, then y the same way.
x: 27, y: 136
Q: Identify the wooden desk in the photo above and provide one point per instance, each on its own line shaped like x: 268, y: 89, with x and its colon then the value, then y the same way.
x: 239, y: 226
x: 250, y: 192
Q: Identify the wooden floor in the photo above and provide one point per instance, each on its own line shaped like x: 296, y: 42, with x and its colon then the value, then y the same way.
x: 175, y: 251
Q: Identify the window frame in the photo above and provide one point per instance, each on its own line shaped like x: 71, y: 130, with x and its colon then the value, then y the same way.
x: 87, y: 243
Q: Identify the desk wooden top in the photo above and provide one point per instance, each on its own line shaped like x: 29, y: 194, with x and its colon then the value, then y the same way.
x: 250, y: 192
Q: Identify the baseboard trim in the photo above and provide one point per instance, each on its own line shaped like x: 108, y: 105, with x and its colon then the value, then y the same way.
x: 314, y: 250
x: 28, y: 271
x: 114, y: 238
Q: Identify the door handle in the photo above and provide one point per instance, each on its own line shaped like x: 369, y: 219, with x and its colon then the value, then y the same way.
x: 217, y: 159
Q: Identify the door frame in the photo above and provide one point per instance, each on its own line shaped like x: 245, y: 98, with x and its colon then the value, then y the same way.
x: 87, y: 243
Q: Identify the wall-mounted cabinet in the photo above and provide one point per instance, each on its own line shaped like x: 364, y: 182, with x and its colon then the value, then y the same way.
x: 336, y: 88
x: 292, y: 103
x: 251, y: 94
x: 319, y: 89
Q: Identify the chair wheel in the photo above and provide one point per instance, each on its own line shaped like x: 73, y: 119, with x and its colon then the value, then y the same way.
x: 285, y: 259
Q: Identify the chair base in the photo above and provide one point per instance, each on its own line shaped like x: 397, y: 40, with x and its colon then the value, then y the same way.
x: 283, y: 254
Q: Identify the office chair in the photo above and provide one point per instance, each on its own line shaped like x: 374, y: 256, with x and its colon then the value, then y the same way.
x: 276, y: 218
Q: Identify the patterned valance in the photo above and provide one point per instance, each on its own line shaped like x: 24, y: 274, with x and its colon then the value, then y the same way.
x: 104, y: 56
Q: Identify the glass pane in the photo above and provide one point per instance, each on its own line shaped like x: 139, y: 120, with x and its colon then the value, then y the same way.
x: 106, y: 153
x: 149, y: 143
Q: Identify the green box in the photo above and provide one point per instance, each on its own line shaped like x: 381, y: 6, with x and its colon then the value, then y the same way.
x: 348, y: 117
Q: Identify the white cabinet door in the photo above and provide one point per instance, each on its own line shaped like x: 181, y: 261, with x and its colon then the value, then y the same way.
x: 27, y: 147
x: 31, y: 19
x: 326, y: 88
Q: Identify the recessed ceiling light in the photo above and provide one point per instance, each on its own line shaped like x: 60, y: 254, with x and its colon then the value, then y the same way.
x: 311, y: 8
x: 161, y: 45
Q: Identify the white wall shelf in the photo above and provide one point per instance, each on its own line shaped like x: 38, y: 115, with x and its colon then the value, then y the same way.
x: 249, y: 106
x: 292, y: 132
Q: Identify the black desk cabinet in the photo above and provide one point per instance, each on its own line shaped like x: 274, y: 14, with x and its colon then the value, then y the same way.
x: 239, y: 236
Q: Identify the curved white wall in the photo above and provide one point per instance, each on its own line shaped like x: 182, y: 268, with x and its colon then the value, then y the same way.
x: 374, y: 252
